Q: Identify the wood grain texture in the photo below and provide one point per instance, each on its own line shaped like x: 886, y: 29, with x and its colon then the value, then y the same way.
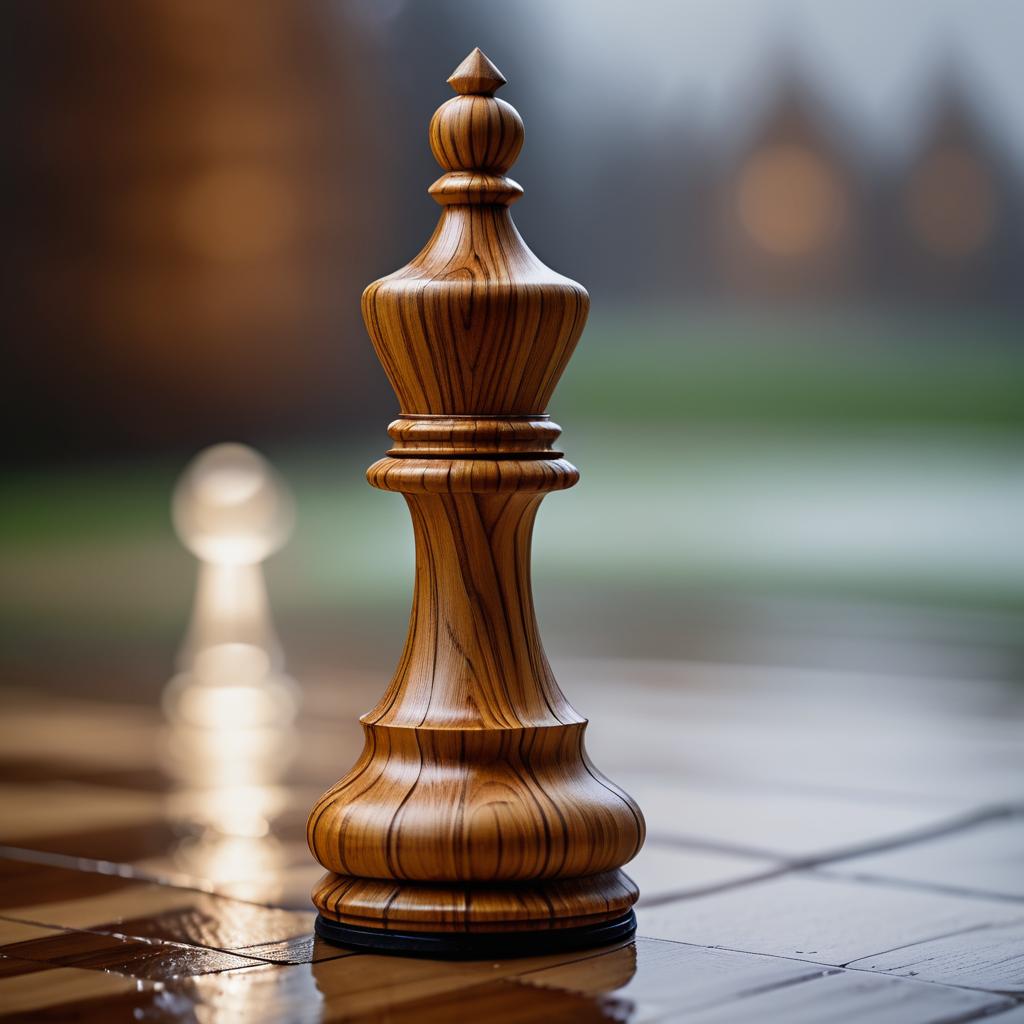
x: 562, y: 903
x: 988, y: 958
x: 474, y: 805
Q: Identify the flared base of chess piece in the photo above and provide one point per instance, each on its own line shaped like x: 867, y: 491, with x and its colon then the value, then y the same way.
x: 475, y: 922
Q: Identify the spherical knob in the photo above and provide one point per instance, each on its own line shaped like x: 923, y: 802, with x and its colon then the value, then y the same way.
x: 230, y: 507
x: 476, y: 133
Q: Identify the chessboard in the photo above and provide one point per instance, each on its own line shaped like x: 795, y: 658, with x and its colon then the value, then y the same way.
x: 822, y: 846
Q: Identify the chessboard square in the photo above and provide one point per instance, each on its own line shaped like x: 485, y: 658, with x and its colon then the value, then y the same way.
x: 988, y: 958
x: 147, y: 911
x: 122, y: 843
x: 24, y: 882
x: 60, y: 986
x: 220, y: 923
x: 18, y: 931
x: 987, y: 858
x: 109, y: 909
x: 826, y: 920
x: 662, y: 870
x: 780, y: 822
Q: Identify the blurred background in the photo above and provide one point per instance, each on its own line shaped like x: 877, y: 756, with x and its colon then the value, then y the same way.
x: 798, y: 407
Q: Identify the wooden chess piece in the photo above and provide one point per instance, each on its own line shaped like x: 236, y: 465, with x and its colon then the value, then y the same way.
x: 474, y: 824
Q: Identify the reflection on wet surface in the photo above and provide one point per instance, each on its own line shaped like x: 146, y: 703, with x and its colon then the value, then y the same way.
x: 231, y: 708
x: 125, y: 894
x: 648, y: 980
x: 153, y: 961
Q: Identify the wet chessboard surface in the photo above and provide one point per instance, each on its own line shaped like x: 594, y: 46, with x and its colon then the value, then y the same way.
x: 821, y: 847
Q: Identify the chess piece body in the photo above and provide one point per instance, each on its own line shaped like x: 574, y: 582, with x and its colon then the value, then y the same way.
x: 474, y: 822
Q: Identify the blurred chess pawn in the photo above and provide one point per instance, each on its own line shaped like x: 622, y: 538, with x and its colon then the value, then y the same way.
x: 232, y: 511
x: 230, y: 708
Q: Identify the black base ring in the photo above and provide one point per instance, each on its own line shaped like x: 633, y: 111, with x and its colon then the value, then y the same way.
x: 476, y: 945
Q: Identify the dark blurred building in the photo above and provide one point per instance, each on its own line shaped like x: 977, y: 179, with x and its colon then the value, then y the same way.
x: 950, y: 231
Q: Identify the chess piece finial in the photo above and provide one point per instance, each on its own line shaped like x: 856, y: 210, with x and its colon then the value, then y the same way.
x: 476, y: 74
x: 474, y: 823
x: 476, y: 138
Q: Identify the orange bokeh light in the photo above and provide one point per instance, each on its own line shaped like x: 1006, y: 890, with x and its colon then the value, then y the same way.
x: 789, y: 201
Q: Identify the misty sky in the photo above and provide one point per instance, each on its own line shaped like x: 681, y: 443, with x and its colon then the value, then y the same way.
x: 875, y: 56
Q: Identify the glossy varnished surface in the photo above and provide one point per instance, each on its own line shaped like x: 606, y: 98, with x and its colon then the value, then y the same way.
x: 474, y: 806
x: 772, y: 891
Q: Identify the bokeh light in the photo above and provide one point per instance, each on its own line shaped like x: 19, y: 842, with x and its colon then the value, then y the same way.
x: 789, y: 201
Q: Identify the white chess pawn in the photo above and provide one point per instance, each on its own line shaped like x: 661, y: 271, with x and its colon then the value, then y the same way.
x: 230, y: 698
x: 232, y: 511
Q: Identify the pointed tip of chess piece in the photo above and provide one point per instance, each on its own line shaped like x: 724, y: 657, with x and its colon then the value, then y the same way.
x: 476, y: 138
x: 476, y: 76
